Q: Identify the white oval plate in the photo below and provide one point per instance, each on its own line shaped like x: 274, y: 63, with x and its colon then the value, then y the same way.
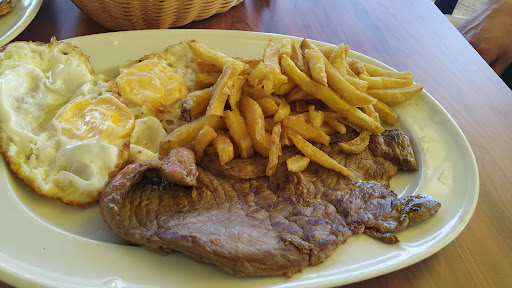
x: 14, y: 22
x: 47, y: 244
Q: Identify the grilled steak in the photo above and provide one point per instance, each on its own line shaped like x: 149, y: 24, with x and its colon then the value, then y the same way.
x: 250, y: 225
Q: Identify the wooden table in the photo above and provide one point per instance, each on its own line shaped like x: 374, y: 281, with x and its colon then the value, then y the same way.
x: 407, y: 35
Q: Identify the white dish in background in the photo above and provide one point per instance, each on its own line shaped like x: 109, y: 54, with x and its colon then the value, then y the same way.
x: 14, y: 22
x: 47, y: 244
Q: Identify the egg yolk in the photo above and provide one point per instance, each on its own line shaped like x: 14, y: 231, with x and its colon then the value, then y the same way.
x: 151, y: 83
x: 103, y: 118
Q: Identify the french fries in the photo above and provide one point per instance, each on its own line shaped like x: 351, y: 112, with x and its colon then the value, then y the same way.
x: 236, y: 127
x: 275, y: 150
x: 295, y: 94
x: 329, y: 97
x: 187, y: 133
x: 317, y: 155
x: 297, y: 163
x: 255, y: 125
x: 224, y: 147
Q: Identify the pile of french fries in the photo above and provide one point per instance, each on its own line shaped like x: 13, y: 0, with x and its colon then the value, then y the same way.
x: 296, y: 94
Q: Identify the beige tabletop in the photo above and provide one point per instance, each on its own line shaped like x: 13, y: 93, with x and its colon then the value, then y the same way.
x: 406, y: 35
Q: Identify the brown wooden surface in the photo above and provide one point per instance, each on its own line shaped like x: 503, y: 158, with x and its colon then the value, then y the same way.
x: 407, y: 35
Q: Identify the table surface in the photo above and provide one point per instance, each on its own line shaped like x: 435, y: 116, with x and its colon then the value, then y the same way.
x: 407, y: 35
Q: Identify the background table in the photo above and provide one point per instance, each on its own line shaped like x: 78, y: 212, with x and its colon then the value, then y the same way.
x: 407, y: 35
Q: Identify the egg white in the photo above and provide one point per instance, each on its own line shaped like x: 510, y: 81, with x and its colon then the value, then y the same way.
x: 39, y: 83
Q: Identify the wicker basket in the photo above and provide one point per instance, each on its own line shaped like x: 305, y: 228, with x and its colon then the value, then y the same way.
x: 151, y: 14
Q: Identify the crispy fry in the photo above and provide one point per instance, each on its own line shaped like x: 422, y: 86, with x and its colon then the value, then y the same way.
x: 297, y: 163
x: 268, y: 106
x: 254, y: 92
x: 337, y: 59
x: 327, y: 51
x: 376, y: 72
x: 205, y: 80
x: 211, y: 56
x: 275, y: 150
x: 203, y: 139
x: 329, y: 97
x: 356, y: 145
x: 337, y: 125
x: 224, y: 147
x: 316, y: 117
x: 283, y: 111
x: 298, y: 94
x: 298, y: 58
x: 223, y: 88
x: 317, y: 155
x: 285, y: 88
x: 380, y: 82
x: 298, y: 124
x: 195, y: 104
x: 370, y: 111
x: 186, y: 133
x: 234, y: 97
x: 238, y: 131
x: 255, y: 125
x: 395, y: 96
x: 385, y: 112
x: 257, y: 75
x: 357, y: 67
x: 316, y: 65
x: 285, y: 49
x: 273, y: 77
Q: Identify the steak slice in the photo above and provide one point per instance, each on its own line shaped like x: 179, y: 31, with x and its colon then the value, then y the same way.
x: 261, y: 226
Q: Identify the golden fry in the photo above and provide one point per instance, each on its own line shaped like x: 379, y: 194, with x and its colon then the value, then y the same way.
x: 327, y: 51
x: 395, y: 96
x: 298, y: 124
x: 297, y: 163
x: 187, y: 133
x: 380, y: 82
x: 298, y: 58
x: 205, y: 80
x: 224, y: 147
x: 385, y: 113
x: 234, y: 97
x: 223, y: 88
x: 283, y: 111
x: 268, y: 106
x: 376, y: 72
x: 317, y: 155
x: 337, y: 125
x: 298, y: 94
x: 195, y: 104
x: 255, y: 125
x: 238, y: 131
x: 275, y: 150
x: 208, y: 55
x: 316, y: 117
x: 203, y: 139
x: 316, y: 65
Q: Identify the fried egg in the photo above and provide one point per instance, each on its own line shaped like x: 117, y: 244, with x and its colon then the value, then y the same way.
x: 153, y: 87
x: 63, y: 129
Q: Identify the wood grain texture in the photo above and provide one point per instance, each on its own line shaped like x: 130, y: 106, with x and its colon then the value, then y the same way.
x: 407, y: 35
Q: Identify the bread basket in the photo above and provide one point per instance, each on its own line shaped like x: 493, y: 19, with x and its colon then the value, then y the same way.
x: 151, y: 14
